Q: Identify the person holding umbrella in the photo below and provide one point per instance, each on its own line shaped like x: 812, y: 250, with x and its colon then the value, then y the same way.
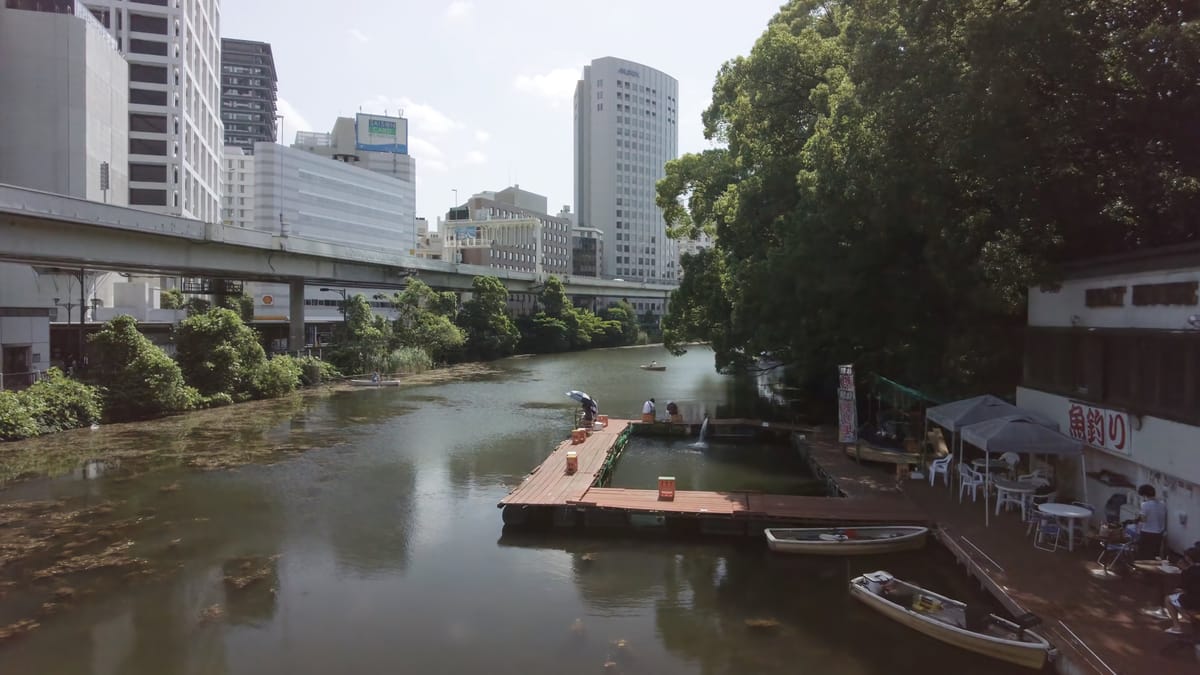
x: 590, y: 407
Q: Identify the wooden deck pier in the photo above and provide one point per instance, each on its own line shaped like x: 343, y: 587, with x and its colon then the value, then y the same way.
x: 549, y: 495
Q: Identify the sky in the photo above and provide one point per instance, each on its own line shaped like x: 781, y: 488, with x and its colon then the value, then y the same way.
x: 486, y: 85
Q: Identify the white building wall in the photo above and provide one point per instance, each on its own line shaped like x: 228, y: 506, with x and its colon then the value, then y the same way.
x: 1159, y: 451
x: 326, y: 200
x: 237, y: 193
x: 1066, y: 306
x: 64, y: 106
x: 625, y: 132
x: 177, y: 53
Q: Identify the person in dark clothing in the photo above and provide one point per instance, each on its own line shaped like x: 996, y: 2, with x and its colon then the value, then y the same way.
x: 589, y: 411
x: 1187, y: 598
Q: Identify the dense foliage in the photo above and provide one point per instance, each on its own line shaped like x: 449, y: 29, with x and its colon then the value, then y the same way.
x: 425, y: 320
x: 220, y: 353
x: 560, y: 326
x: 363, y: 341
x: 53, y: 403
x: 137, y: 379
x: 485, y: 319
x: 891, y: 177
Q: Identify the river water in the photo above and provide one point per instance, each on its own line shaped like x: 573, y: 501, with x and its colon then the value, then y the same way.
x: 380, y: 549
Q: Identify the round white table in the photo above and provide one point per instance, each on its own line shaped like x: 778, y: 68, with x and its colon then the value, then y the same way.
x: 1006, y: 489
x: 1068, y: 512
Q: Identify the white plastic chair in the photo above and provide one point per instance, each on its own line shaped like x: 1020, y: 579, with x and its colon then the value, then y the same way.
x: 941, y: 466
x: 1005, y: 498
x: 968, y: 478
x: 1011, y: 459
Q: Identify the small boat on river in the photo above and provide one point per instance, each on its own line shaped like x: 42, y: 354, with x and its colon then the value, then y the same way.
x: 653, y: 365
x: 375, y: 383
x: 953, y: 622
x: 845, y: 540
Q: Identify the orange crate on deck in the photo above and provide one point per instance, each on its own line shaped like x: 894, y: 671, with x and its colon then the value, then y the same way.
x: 602, y: 419
x: 666, y: 488
x: 572, y: 461
x: 578, y: 436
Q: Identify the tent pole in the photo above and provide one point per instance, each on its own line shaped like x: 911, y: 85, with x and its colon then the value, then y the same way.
x: 987, y: 480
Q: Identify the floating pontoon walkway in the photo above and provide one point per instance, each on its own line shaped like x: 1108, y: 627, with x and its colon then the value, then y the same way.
x: 550, y: 494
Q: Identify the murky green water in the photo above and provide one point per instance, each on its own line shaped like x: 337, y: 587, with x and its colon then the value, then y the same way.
x: 391, y: 556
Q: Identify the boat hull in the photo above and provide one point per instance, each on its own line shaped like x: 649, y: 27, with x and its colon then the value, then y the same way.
x: 1028, y: 654
x: 865, y: 452
x: 654, y: 368
x: 873, y: 542
x: 369, y: 383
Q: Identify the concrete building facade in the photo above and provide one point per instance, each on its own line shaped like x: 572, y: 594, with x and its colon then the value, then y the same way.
x: 1113, y: 355
x: 625, y: 132
x: 64, y: 110
x: 248, y: 91
x: 237, y: 188
x: 305, y: 195
x: 508, y: 229
x: 175, y: 132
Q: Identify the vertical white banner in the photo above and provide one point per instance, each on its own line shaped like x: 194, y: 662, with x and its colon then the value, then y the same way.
x: 847, y: 406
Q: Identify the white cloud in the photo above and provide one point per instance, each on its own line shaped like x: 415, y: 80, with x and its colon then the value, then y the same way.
x: 482, y: 136
x: 292, y: 120
x: 459, y: 9
x: 358, y: 35
x: 558, y: 85
x: 475, y: 157
x: 419, y: 147
x: 429, y: 156
x: 422, y: 117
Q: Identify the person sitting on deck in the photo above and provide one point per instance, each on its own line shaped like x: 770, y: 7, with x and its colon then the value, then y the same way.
x: 648, y: 411
x: 673, y: 411
x: 375, y: 376
x: 589, y: 411
x: 1187, y: 598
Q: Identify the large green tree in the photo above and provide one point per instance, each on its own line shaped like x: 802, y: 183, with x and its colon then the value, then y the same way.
x: 425, y: 320
x: 490, y: 330
x: 891, y: 176
x: 363, y: 341
x: 219, y: 353
x: 137, y: 379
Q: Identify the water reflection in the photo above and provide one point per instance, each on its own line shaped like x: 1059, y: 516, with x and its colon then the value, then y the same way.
x: 356, y: 532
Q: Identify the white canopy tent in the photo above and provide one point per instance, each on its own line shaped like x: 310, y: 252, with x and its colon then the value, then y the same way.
x: 1022, y: 434
x: 960, y: 414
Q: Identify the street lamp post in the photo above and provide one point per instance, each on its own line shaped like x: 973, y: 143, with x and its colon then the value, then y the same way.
x: 342, y: 292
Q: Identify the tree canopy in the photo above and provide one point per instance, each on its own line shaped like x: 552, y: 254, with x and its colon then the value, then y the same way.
x: 891, y: 176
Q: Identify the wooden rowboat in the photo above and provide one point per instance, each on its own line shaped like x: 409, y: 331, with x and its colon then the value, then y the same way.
x: 953, y: 622
x: 373, y: 383
x: 652, y: 366
x: 845, y: 541
x: 863, y: 451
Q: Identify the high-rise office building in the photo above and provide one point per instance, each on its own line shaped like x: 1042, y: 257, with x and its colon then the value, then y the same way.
x: 248, y: 90
x: 625, y: 133
x: 175, y: 134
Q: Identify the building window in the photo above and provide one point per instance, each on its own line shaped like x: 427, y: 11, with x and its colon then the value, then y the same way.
x: 145, y: 146
x: 148, y: 123
x: 152, y: 47
x: 151, y: 173
x: 139, y: 72
x: 147, y: 97
x: 143, y: 197
x: 140, y: 23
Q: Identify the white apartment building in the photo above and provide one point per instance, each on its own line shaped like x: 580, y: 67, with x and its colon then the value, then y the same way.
x: 304, y: 195
x: 625, y: 132
x: 237, y: 188
x: 175, y: 133
x: 1113, y: 355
